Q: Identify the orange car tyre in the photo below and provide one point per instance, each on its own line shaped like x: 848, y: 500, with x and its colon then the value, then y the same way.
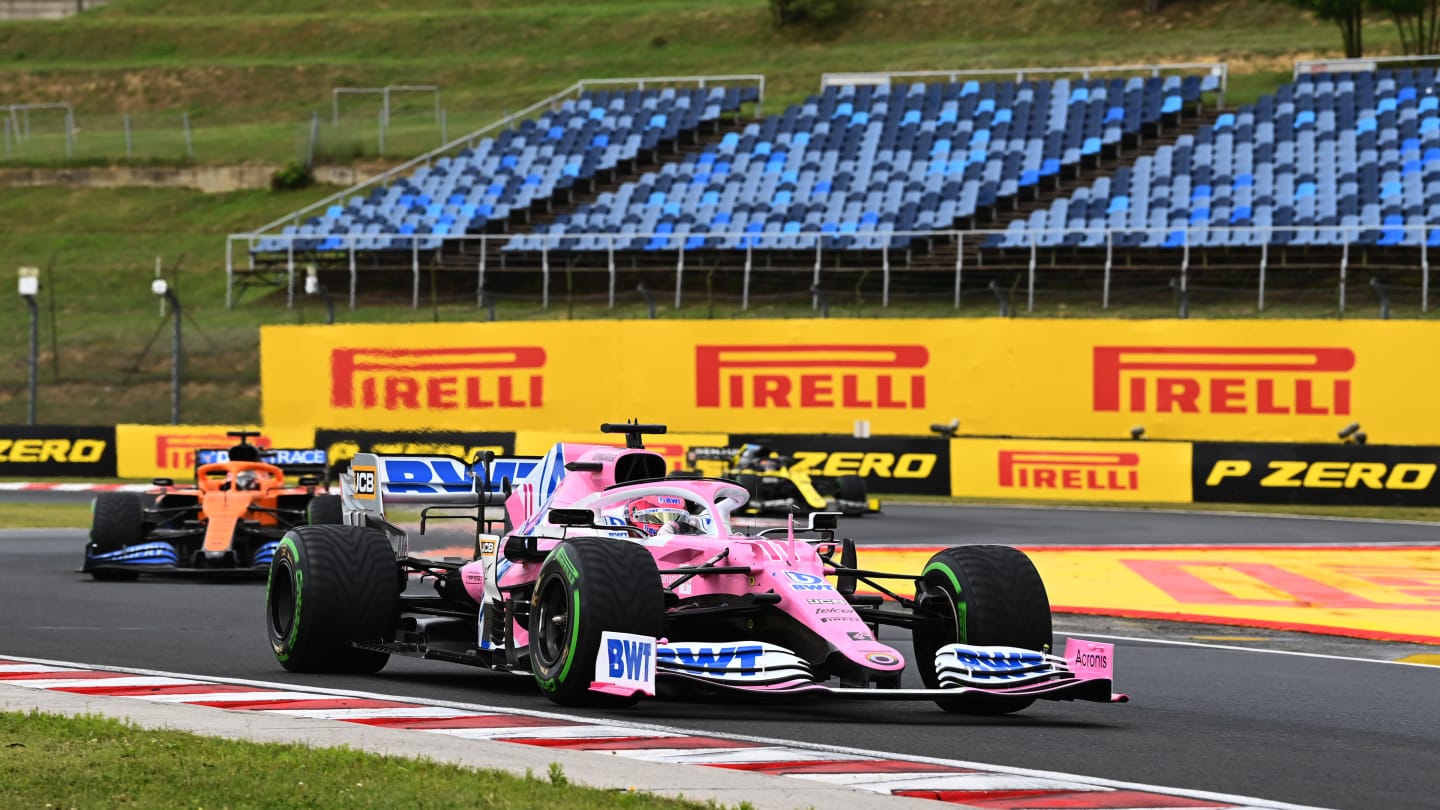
x: 330, y: 588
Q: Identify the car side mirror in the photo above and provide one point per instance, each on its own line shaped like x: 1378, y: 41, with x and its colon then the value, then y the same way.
x: 824, y: 520
x: 572, y: 517
x: 309, y: 480
x: 163, y: 482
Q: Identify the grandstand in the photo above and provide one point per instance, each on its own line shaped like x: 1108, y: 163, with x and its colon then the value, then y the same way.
x: 951, y: 180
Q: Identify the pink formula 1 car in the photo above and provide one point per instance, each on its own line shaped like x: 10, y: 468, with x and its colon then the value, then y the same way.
x: 604, y: 580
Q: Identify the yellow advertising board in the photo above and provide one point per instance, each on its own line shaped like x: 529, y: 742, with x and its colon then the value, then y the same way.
x: 1051, y: 470
x: 1099, y: 379
x: 670, y: 445
x: 168, y: 451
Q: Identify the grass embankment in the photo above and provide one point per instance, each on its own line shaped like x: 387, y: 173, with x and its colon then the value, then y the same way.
x: 48, y: 761
x: 250, y: 72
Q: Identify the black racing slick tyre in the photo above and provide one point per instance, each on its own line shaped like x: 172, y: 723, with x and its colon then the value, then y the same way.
x: 850, y: 495
x: 586, y: 587
x: 330, y: 586
x: 324, y: 510
x: 980, y: 595
x: 117, y: 521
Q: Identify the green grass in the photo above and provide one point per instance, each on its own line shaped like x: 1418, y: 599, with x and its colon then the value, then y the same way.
x: 51, y: 761
x: 250, y: 73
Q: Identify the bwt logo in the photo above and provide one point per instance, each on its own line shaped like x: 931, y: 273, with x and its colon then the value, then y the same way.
x: 468, y: 378
x: 1045, y: 469
x: 1222, y: 380
x: 177, y: 452
x: 815, y: 376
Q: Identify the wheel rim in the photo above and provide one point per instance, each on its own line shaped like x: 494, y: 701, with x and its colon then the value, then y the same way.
x: 282, y: 601
x: 550, y: 627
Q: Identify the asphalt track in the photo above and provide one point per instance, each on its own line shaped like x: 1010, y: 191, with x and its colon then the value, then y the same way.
x: 1311, y: 719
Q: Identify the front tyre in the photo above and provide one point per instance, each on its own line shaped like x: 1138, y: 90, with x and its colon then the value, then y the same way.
x: 980, y: 595
x: 117, y: 522
x: 850, y: 495
x: 586, y: 587
x: 330, y: 586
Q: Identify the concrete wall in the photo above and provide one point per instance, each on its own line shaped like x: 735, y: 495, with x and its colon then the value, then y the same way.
x: 210, y: 179
x: 45, y: 9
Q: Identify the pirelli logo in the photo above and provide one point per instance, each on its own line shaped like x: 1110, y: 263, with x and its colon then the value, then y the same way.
x: 177, y: 451
x: 831, y: 376
x: 1052, y: 469
x: 461, y: 378
x: 1223, y: 380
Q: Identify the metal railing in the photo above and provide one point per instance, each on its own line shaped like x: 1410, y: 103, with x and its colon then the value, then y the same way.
x: 1102, y: 256
x: 1220, y: 70
x: 470, y: 139
x: 1311, y: 67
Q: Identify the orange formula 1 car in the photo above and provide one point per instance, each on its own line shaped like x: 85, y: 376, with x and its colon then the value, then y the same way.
x: 242, y: 503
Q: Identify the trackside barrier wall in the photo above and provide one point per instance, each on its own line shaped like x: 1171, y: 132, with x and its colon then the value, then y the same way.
x: 1339, y: 474
x: 1133, y: 471
x: 168, y: 451
x: 1298, y: 381
x: 1049, y: 470
x: 48, y: 451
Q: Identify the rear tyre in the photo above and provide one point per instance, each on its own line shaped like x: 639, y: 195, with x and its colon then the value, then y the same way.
x: 324, y: 510
x: 981, y: 595
x: 588, y: 586
x: 117, y: 522
x: 850, y: 495
x: 330, y: 586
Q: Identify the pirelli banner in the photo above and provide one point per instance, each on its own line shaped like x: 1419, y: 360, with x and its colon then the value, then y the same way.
x: 50, y: 451
x: 1055, y: 470
x: 1339, y: 474
x: 168, y: 451
x: 1095, y: 379
x: 341, y: 445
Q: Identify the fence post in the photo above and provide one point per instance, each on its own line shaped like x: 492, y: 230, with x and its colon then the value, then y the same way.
x: 69, y: 131
x: 545, y: 271
x: 1109, y: 264
x: 1030, y: 295
x: 885, y: 274
x: 959, y: 264
x: 1344, y: 267
x: 745, y: 284
x: 290, y: 272
x: 129, y: 140
x: 444, y: 128
x: 354, y: 278
x: 480, y: 283
x: 610, y: 265
x: 1424, y: 272
x: 1264, y: 263
x: 679, y: 272
x: 229, y: 271
x: 382, y: 133
x: 189, y: 144
x: 415, y: 272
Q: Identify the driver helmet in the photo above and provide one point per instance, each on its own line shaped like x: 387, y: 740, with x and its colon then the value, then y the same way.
x: 750, y: 454
x: 652, y: 512
x: 247, y: 479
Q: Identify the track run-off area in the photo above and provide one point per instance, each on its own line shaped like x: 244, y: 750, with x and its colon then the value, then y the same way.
x: 1226, y: 697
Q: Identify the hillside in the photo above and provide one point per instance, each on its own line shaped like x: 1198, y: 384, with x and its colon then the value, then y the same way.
x: 249, y: 76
